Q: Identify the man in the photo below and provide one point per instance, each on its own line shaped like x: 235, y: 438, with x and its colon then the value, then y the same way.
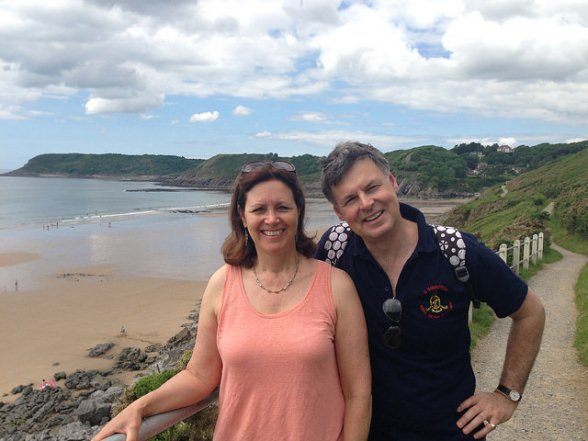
x: 423, y: 382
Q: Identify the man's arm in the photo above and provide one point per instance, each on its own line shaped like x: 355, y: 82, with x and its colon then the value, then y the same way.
x: 522, y: 347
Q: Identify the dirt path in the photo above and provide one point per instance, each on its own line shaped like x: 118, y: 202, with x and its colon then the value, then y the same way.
x: 555, y: 402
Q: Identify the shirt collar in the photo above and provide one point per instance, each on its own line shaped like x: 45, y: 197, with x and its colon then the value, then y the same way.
x: 426, y: 243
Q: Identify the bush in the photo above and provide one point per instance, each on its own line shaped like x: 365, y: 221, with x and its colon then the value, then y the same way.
x: 151, y: 382
x: 199, y: 427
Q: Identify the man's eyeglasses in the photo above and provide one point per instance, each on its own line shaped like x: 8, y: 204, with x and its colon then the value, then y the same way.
x: 393, y: 310
x: 278, y: 165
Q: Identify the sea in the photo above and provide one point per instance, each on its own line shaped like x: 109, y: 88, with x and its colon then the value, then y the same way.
x: 139, y: 228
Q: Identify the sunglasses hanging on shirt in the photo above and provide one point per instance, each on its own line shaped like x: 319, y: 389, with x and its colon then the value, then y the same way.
x: 393, y: 310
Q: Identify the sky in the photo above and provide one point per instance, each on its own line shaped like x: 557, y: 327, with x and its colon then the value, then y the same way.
x: 199, y: 78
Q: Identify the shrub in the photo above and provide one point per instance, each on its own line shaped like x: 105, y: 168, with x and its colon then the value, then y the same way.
x: 151, y: 382
x: 199, y: 427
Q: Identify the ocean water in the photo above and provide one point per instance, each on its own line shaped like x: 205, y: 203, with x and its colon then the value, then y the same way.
x: 76, y: 224
x: 28, y: 201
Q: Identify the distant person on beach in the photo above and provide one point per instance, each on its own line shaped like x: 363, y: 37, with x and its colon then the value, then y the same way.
x: 281, y: 333
x: 416, y: 309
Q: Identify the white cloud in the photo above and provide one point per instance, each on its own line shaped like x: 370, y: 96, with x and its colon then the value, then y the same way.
x: 510, y: 141
x: 263, y: 134
x: 205, y: 117
x: 507, y: 141
x: 332, y: 137
x: 314, y: 117
x: 524, y: 58
x: 123, y: 104
x: 242, y: 111
x: 572, y: 140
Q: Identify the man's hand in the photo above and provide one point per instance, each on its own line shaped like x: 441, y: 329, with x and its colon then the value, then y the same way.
x: 488, y: 408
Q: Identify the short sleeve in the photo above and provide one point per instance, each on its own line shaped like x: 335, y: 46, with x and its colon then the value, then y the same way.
x: 494, y: 282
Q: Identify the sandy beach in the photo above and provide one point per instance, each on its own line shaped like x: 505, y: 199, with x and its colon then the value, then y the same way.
x: 48, y: 330
x: 9, y: 259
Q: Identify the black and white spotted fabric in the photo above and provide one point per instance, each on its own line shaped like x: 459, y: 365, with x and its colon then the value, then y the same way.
x: 450, y: 241
x: 452, y: 245
x: 336, y: 242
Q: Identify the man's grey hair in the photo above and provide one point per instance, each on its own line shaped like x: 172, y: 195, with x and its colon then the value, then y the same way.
x: 341, y: 159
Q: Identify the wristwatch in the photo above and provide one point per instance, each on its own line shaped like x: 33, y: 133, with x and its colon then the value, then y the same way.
x: 512, y: 395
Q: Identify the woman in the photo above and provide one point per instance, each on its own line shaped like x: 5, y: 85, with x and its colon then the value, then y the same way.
x: 282, y: 333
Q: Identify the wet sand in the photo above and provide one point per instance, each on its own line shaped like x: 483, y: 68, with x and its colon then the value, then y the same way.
x: 9, y: 259
x: 51, y: 329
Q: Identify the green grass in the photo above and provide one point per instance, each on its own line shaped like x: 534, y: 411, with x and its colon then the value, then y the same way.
x: 481, y: 322
x: 484, y: 317
x: 581, y: 340
x: 570, y: 241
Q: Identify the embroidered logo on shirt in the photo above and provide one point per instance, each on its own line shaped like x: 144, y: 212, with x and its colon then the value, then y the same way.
x: 434, y: 303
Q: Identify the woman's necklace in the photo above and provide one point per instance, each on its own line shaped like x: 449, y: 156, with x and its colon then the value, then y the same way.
x: 285, y: 287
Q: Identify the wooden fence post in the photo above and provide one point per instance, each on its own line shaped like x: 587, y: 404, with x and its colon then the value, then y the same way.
x: 526, y: 250
x: 540, y: 245
x: 516, y: 255
x: 503, y: 252
x: 534, y: 249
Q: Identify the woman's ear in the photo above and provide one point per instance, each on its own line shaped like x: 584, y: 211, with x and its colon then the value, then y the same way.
x: 242, y: 217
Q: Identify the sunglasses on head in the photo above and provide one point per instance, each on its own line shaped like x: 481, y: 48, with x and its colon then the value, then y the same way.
x: 393, y: 310
x: 278, y: 165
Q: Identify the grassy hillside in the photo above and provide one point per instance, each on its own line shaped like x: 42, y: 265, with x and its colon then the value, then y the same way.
x: 110, y: 164
x: 517, y: 209
x: 431, y: 167
x: 220, y: 170
x: 426, y: 171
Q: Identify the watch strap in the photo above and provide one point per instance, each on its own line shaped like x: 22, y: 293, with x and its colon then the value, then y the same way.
x: 511, y: 394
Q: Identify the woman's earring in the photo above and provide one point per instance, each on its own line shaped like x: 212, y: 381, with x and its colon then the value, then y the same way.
x: 246, y: 238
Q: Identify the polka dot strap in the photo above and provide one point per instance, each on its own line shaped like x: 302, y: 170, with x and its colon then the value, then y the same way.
x: 453, y: 248
x: 336, y: 242
x: 452, y: 245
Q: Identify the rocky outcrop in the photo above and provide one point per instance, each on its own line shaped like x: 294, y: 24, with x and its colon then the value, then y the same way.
x: 84, y: 403
x: 100, y: 349
x: 96, y: 409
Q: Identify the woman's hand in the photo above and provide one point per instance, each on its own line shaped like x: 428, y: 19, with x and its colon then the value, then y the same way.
x: 127, y: 422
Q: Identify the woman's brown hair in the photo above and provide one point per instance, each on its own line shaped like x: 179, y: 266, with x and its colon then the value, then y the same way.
x: 234, y: 249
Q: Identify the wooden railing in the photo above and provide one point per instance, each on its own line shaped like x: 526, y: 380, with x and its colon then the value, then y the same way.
x: 530, y: 250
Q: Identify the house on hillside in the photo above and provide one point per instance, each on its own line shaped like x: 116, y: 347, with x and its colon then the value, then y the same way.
x: 504, y: 149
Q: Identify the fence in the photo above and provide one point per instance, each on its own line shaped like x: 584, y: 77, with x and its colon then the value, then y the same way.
x: 532, y: 252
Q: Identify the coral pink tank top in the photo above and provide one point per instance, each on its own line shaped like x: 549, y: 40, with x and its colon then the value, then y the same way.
x: 280, y: 380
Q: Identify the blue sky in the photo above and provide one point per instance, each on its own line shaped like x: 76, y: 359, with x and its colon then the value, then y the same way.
x: 291, y: 77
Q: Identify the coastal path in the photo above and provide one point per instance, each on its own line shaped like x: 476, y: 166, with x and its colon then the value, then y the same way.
x: 555, y: 402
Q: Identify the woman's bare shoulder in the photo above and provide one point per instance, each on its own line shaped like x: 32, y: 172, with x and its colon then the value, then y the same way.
x: 216, y: 283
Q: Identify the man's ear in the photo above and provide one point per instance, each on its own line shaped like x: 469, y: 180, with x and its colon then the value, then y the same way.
x: 338, y: 213
x: 393, y: 182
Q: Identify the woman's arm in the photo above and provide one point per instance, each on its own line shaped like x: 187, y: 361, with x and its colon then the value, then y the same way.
x: 352, y: 357
x: 189, y: 386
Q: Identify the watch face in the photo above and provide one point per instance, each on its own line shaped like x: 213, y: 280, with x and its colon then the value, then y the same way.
x: 514, y: 395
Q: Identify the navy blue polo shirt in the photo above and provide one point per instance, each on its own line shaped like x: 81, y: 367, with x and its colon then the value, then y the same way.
x: 420, y: 385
